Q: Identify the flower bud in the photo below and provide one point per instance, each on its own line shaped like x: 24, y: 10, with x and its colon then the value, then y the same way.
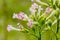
x: 30, y: 23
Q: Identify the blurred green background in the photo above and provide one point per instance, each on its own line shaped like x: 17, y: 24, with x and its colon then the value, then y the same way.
x: 6, y: 12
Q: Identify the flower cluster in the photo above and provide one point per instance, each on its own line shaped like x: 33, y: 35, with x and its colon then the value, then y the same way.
x: 37, y: 19
x: 24, y: 17
x: 20, y: 16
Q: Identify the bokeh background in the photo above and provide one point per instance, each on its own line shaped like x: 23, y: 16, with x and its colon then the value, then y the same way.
x: 7, y: 8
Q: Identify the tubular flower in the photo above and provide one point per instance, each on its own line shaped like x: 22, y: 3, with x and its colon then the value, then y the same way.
x: 33, y: 7
x: 30, y: 23
x: 9, y: 28
x: 39, y: 9
x: 20, y: 26
x: 48, y: 10
x: 20, y: 16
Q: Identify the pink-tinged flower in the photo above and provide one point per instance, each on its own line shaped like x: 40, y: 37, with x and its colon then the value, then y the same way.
x: 34, y: 6
x: 20, y: 16
x: 30, y: 23
x: 48, y: 10
x: 15, y: 16
x: 9, y: 28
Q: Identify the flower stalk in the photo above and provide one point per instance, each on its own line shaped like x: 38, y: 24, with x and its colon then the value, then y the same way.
x: 38, y: 18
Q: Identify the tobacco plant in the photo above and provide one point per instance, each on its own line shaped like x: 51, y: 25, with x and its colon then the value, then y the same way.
x: 43, y: 15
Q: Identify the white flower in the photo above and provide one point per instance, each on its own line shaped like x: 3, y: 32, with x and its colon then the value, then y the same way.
x: 48, y: 10
x: 33, y: 8
x: 20, y: 16
x: 39, y: 10
x: 15, y: 16
x: 34, y: 5
x: 30, y: 23
x: 9, y: 28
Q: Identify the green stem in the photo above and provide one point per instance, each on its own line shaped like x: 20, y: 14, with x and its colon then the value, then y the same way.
x: 54, y: 34
x: 39, y: 38
x: 57, y: 25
